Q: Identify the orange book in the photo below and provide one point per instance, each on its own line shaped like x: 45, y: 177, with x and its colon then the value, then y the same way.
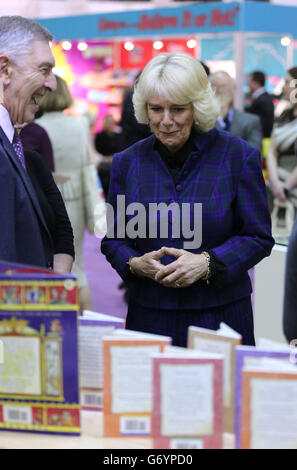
x: 269, y: 407
x: 127, y: 382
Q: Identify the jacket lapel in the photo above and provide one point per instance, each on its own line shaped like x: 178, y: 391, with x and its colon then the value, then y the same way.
x: 236, y: 123
x: 19, y: 168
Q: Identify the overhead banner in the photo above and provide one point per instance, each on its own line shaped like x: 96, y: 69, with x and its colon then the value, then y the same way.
x: 191, y: 19
x: 201, y: 18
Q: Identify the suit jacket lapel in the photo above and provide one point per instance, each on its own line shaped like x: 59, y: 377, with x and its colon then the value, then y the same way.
x: 235, y: 124
x: 218, y: 126
x: 26, y: 180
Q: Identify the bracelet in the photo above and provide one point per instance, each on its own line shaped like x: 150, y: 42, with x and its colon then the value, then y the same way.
x: 207, y: 275
x: 129, y: 264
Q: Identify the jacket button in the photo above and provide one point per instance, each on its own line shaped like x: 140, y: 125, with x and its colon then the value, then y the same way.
x: 178, y: 187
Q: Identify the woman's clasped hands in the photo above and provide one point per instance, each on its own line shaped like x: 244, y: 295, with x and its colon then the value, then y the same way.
x: 183, y: 272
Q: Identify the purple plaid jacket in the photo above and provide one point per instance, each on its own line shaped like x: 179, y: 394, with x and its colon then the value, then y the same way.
x: 225, y: 175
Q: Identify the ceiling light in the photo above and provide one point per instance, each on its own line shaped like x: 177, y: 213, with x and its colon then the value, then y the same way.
x: 285, y: 41
x: 129, y: 46
x: 158, y: 45
x: 66, y: 45
x: 82, y: 46
x: 191, y: 43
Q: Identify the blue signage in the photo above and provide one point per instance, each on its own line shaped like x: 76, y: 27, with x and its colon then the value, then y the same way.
x: 192, y: 19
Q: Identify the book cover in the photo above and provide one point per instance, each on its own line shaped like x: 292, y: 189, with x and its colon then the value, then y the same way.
x: 92, y: 327
x: 269, y: 407
x: 39, y: 390
x: 187, y: 400
x: 127, y: 383
x: 248, y: 356
x: 222, y: 341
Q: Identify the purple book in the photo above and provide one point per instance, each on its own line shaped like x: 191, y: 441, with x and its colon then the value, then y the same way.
x: 245, y: 355
x: 92, y: 327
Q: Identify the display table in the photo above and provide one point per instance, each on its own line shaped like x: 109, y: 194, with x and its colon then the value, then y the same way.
x: 91, y: 438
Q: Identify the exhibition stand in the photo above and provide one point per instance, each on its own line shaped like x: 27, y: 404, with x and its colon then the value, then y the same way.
x: 213, y: 20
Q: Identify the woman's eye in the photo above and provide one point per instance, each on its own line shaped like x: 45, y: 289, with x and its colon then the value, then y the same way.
x: 156, y: 109
x: 178, y: 109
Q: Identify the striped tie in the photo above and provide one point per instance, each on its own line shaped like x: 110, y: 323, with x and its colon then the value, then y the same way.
x: 18, y: 148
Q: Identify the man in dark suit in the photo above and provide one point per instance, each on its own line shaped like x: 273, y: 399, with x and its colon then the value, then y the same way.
x: 243, y: 125
x: 262, y: 102
x: 26, y: 63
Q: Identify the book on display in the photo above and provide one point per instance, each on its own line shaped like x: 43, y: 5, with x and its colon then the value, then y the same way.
x: 39, y: 383
x: 127, y: 382
x: 92, y: 327
x: 187, y: 399
x: 222, y: 341
x: 268, y: 405
x: 250, y: 356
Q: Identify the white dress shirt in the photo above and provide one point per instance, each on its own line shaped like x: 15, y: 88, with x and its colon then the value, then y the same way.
x: 258, y: 93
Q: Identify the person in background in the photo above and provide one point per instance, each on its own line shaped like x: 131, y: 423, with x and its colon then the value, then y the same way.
x: 34, y: 137
x: 262, y: 102
x: 132, y: 131
x: 52, y: 207
x: 239, y: 123
x: 107, y: 142
x: 26, y: 63
x: 71, y: 145
x: 206, y: 68
x: 177, y: 279
x: 290, y: 293
x: 281, y: 158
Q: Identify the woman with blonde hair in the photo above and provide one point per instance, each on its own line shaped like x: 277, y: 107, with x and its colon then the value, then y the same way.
x: 71, y: 146
x: 188, y: 215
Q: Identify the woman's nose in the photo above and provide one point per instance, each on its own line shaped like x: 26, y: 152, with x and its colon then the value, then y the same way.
x: 167, y: 118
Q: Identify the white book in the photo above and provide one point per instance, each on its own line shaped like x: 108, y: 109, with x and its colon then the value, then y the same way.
x: 180, y: 352
x: 271, y: 344
x: 222, y: 341
x: 89, y: 314
x: 139, y: 334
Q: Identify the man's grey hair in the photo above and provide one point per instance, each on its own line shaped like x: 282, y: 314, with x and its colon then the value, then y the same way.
x: 17, y: 34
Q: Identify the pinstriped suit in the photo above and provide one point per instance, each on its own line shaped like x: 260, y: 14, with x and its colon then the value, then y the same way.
x: 225, y: 175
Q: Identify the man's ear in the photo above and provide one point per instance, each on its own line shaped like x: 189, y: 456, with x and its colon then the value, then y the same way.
x: 5, y: 70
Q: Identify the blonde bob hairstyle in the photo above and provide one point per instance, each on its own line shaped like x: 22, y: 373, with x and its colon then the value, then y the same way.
x: 179, y: 78
x: 57, y: 100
